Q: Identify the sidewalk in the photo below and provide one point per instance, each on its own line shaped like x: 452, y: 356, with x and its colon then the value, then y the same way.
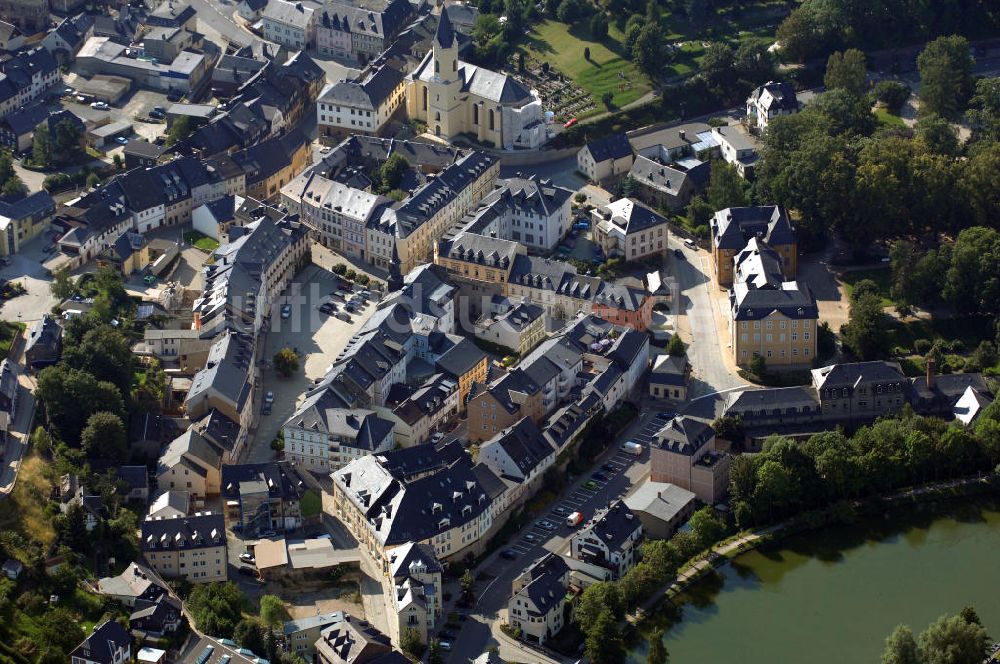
x: 19, y: 436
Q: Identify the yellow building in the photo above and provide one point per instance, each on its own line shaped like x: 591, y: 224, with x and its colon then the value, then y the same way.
x: 128, y: 254
x: 191, y: 547
x: 24, y: 220
x: 732, y: 228
x: 466, y: 363
x: 455, y: 98
x: 771, y: 317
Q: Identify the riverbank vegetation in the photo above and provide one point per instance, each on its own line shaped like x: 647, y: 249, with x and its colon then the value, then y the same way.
x: 824, y: 475
x: 958, y: 639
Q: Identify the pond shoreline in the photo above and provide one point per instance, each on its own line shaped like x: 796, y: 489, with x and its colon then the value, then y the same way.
x: 839, y: 514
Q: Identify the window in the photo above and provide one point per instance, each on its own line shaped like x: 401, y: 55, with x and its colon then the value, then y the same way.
x: 492, y: 121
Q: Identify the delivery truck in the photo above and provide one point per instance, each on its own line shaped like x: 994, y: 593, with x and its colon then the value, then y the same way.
x: 632, y: 447
x: 574, y: 519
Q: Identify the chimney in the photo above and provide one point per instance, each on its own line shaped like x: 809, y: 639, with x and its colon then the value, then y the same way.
x: 931, y: 367
x: 682, y: 134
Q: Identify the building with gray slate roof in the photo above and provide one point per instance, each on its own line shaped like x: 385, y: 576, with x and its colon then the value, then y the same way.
x: 769, y: 101
x: 733, y: 228
x: 193, y: 547
x: 683, y: 453
x: 262, y: 497
x: 605, y: 158
x: 609, y: 541
x: 360, y: 106
x: 439, y: 503
x: 44, y: 344
x: 325, y: 433
x: 538, y: 598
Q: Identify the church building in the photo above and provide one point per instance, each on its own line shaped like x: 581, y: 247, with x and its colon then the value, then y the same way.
x: 455, y: 98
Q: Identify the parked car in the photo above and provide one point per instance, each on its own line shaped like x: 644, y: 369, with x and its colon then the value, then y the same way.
x: 610, y: 467
x: 508, y: 554
x: 269, y: 397
x: 570, y: 123
x: 121, y: 140
x: 268, y: 533
x: 665, y: 415
x: 343, y: 316
x: 286, y: 311
x: 600, y: 477
x: 149, y: 280
x: 530, y: 538
x: 436, y: 438
x: 590, y: 485
x: 445, y: 646
x: 690, y: 244
x: 99, y: 106
x: 561, y: 511
x: 547, y: 525
x: 445, y: 634
x: 679, y: 254
x: 247, y: 558
x: 248, y: 571
x: 266, y: 410
x: 350, y: 307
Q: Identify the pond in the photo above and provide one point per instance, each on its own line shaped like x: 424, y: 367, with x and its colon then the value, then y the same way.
x: 833, y: 595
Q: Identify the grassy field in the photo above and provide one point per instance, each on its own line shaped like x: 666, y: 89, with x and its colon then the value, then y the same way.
x: 882, y: 279
x: 888, y: 119
x: 553, y: 42
x: 23, y: 511
x: 201, y: 241
x: 8, y: 332
x: 310, y: 504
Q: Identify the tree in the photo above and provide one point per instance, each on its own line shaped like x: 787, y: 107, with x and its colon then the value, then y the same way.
x: 603, y: 643
x: 179, y: 130
x: 410, y: 642
x: 647, y: 53
x: 93, y: 180
x: 676, y: 347
x: 390, y: 174
x: 973, y: 279
x: 952, y: 640
x: 632, y: 29
x: 14, y: 187
x: 707, y: 527
x: 596, y: 599
x: 657, y: 651
x: 865, y: 333
x: 40, y: 145
x: 945, y: 68
x: 753, y: 61
x: 775, y: 489
x: 249, y: 633
x: 286, y: 362
x: 217, y: 607
x: 273, y: 612
x: 725, y: 186
x: 571, y: 10
x: 719, y: 67
x: 900, y: 647
x: 847, y: 71
x: 893, y: 94
x: 699, y: 212
x: 435, y: 656
x: 62, y: 285
x: 984, y: 111
x: 607, y: 98
x: 71, y: 396
x: 66, y: 145
x: 939, y: 135
x: 599, y: 27
x: 104, y: 437
x: 104, y: 353
x: 586, y: 53
x: 758, y: 365
x: 697, y: 11
x: 468, y: 582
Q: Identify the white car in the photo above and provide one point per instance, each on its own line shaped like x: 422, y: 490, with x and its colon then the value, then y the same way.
x: 99, y: 106
x: 247, y: 558
x: 269, y: 397
x: 436, y: 438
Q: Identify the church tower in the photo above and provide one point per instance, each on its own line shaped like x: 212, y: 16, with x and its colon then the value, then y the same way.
x: 445, y: 85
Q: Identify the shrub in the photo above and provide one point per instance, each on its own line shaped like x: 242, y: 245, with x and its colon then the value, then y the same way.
x: 363, y: 279
x: 351, y: 275
x: 339, y: 268
x: 893, y: 94
x: 922, y: 346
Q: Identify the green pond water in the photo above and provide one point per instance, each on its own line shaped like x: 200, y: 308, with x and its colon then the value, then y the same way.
x: 832, y: 596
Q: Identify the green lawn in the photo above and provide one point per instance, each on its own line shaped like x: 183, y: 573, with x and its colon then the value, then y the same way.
x: 310, y: 504
x: 888, y: 119
x: 882, y: 279
x: 552, y: 42
x: 201, y: 241
x: 8, y: 332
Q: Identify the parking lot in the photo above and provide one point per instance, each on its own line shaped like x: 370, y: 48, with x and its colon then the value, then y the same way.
x: 618, y: 473
x: 318, y: 339
x: 26, y: 268
x: 134, y: 105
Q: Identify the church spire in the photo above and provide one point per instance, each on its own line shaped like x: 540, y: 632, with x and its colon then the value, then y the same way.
x: 445, y: 35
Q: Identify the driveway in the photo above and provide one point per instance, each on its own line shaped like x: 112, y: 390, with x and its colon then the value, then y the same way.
x: 319, y: 339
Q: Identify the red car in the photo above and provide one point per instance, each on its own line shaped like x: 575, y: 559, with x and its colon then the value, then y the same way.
x: 570, y: 123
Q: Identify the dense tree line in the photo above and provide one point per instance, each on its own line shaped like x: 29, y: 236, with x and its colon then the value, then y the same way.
x: 829, y: 163
x: 789, y: 477
x: 959, y: 639
x: 818, y: 27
